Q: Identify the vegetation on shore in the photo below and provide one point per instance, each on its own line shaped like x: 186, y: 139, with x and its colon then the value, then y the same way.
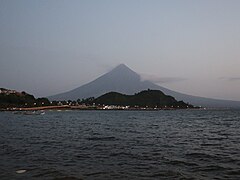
x: 145, y: 99
x: 12, y: 98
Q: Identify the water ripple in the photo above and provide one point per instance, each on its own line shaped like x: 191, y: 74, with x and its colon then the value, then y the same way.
x: 181, y: 144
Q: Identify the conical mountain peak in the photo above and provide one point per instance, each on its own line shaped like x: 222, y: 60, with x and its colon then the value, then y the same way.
x: 121, y: 66
x: 123, y: 70
x: 124, y: 80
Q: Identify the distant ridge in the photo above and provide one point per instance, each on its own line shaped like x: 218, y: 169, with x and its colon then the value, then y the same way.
x: 124, y: 80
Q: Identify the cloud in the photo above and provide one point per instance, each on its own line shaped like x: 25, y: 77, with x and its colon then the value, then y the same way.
x: 230, y: 78
x: 161, y: 80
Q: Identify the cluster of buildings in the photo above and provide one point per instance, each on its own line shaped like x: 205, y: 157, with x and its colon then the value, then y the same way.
x: 115, y: 107
x: 7, y: 91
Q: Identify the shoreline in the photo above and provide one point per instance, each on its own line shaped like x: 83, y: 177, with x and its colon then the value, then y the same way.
x: 67, y: 107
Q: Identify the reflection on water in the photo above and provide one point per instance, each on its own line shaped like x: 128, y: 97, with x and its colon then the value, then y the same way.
x: 181, y: 144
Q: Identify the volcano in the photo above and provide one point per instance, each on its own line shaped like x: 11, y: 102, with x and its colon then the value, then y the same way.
x: 124, y: 80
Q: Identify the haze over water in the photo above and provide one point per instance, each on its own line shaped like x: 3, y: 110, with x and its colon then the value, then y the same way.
x: 180, y: 144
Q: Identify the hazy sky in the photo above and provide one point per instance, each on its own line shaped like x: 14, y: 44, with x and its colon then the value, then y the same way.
x: 190, y: 46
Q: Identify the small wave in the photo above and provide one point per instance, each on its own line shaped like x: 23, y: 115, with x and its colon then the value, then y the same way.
x: 67, y: 178
x: 111, y: 138
x: 95, y: 173
x: 210, y: 144
x: 216, y: 138
x: 166, y: 175
x: 233, y: 172
x: 180, y: 162
x: 46, y: 172
x: 120, y: 154
x: 132, y: 117
x: 200, y: 155
x: 209, y: 168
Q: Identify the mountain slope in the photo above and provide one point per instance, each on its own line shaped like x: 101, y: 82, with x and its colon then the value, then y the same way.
x: 120, y: 79
x: 123, y: 80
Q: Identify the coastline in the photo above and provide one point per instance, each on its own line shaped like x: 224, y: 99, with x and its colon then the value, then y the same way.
x: 68, y: 107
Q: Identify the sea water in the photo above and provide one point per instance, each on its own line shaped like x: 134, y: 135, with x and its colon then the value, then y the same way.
x: 176, y: 144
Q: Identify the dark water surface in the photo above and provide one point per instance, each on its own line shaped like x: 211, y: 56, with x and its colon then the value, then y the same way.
x: 181, y: 144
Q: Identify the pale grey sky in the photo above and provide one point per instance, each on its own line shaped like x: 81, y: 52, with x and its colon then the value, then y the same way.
x: 190, y: 46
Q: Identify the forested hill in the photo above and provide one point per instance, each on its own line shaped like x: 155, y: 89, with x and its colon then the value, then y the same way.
x: 12, y: 98
x: 147, y: 98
